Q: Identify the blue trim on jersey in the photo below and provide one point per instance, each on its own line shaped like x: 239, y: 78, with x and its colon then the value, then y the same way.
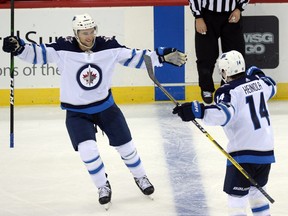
x: 44, y: 54
x: 92, y: 172
x: 260, y: 209
x: 226, y: 111
x: 253, y: 159
x: 160, y: 50
x: 134, y: 164
x: 90, y: 110
x: 129, y: 60
x: 270, y: 82
x: 141, y: 59
x: 35, y: 54
x: 272, y: 92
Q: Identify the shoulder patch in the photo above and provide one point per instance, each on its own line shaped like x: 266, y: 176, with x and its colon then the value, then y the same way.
x: 68, y: 44
x: 103, y: 43
x: 69, y: 39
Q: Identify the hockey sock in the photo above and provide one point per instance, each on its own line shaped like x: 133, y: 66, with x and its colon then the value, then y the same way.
x: 90, y: 156
x: 258, y: 203
x: 237, y: 205
x: 131, y: 158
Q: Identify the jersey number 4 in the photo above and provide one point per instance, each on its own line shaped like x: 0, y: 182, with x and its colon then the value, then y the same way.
x: 262, y: 110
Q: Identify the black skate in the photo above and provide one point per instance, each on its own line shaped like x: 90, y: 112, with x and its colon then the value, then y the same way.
x: 145, y: 186
x: 105, y: 194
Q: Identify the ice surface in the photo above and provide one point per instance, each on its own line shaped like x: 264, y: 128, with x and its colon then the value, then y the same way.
x: 43, y: 176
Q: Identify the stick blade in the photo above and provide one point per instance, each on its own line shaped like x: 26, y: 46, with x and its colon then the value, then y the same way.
x: 149, y: 66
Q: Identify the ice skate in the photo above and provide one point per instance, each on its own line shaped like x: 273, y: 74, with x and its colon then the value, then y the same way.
x: 105, y: 194
x: 145, y: 186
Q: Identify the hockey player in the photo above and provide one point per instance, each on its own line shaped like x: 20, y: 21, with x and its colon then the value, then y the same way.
x: 86, y: 62
x: 241, y: 109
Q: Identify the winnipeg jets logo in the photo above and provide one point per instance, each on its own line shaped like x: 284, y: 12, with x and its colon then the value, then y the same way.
x: 89, y: 76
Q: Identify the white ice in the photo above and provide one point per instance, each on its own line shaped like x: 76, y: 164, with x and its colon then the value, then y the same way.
x: 43, y: 176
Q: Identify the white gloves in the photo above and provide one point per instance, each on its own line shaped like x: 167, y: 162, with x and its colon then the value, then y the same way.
x: 171, y: 56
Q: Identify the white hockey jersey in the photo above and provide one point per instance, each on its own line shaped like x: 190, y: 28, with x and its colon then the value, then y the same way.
x: 86, y: 77
x: 241, y: 108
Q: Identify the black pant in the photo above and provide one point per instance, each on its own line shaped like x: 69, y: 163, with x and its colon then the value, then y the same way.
x: 207, y: 49
x: 237, y: 184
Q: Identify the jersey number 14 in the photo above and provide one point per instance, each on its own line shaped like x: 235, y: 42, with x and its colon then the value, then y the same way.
x: 262, y: 110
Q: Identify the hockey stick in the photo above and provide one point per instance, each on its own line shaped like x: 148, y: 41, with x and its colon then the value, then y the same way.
x: 150, y: 70
x: 12, y: 81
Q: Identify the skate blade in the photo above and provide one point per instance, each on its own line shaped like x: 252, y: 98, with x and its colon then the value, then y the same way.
x: 107, y: 206
x: 151, y: 197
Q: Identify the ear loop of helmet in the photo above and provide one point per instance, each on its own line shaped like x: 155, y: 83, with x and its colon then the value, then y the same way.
x: 222, y: 77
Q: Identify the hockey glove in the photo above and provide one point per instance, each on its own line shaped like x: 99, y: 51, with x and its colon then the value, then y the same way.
x: 171, y: 56
x: 190, y: 111
x: 252, y: 71
x: 14, y: 45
